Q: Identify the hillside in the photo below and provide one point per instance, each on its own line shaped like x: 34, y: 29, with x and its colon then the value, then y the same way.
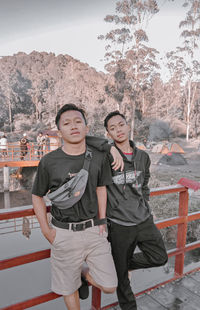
x: 33, y: 87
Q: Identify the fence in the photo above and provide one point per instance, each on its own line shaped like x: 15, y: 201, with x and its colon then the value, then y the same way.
x: 33, y: 151
x: 179, y: 252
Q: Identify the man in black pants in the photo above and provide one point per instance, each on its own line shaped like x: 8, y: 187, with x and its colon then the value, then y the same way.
x: 130, y: 220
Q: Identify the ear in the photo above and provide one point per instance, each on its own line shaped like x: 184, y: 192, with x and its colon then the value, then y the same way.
x: 108, y: 135
x: 59, y: 134
x: 87, y: 129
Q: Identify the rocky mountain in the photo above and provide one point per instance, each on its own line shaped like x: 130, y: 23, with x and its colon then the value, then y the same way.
x: 33, y: 87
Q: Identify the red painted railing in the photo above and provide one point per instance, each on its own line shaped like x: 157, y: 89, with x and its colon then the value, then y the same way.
x: 33, y: 151
x: 181, y: 248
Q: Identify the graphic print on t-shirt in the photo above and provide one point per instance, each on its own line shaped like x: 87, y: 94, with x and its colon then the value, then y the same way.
x: 131, y: 177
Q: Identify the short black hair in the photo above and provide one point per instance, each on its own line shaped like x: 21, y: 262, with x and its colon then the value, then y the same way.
x: 69, y: 107
x: 110, y: 115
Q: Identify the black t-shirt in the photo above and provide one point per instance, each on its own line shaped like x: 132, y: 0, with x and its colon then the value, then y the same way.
x: 57, y: 167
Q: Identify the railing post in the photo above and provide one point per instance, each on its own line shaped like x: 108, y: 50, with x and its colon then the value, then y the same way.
x: 6, y: 187
x: 96, y: 298
x: 182, y: 232
x: 6, y: 179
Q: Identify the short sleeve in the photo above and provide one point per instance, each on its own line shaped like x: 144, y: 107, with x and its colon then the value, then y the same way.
x: 41, y: 182
x: 105, y: 175
x: 99, y: 143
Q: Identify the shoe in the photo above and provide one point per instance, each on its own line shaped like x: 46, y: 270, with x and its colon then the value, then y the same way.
x: 83, y: 289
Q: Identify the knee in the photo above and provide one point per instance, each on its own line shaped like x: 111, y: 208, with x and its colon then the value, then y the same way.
x: 160, y: 260
x: 164, y: 260
x: 108, y: 290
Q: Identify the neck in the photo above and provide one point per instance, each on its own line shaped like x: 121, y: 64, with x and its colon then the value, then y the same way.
x: 124, y: 146
x: 74, y: 148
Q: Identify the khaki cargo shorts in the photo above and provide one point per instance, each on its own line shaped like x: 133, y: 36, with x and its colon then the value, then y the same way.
x: 71, y: 249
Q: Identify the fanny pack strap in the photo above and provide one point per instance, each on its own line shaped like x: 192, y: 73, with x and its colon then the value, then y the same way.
x: 88, y: 158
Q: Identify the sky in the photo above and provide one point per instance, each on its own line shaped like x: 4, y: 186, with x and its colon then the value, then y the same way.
x: 72, y: 27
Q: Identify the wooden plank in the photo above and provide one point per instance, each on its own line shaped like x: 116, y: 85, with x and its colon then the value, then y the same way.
x: 182, y: 293
x: 32, y: 302
x: 182, y: 233
x: 170, y: 222
x: 113, y: 306
x: 96, y: 298
x: 147, y: 303
x: 192, y: 246
x: 18, y: 163
x: 193, y: 216
x: 24, y: 259
x: 8, y: 214
x: 166, y: 298
x: 191, y: 284
x: 167, y: 190
x: 196, y: 276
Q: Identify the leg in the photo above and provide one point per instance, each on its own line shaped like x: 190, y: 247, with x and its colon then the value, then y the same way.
x: 153, y: 252
x: 101, y: 270
x: 123, y: 243
x: 25, y: 152
x: 66, y: 261
x: 21, y: 155
x: 39, y: 150
x: 72, y: 301
x: 106, y: 290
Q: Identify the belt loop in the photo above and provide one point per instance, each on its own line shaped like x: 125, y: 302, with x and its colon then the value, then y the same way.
x: 70, y: 226
x: 92, y: 221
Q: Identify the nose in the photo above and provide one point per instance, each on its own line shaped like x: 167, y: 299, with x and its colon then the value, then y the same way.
x: 73, y: 125
x: 118, y: 129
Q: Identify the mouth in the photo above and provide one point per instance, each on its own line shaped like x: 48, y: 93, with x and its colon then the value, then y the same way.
x: 120, y: 135
x: 75, y: 133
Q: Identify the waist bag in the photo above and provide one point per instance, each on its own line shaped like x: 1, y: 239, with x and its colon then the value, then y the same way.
x: 70, y: 192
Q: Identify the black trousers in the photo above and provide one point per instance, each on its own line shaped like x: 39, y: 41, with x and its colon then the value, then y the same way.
x: 124, y: 240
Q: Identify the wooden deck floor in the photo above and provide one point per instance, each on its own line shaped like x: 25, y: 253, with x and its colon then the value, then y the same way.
x: 182, y: 294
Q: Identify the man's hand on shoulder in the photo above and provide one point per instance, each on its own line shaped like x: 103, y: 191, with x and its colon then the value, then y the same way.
x: 118, y: 162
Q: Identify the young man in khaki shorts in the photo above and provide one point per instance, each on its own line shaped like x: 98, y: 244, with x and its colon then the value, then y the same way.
x: 79, y: 232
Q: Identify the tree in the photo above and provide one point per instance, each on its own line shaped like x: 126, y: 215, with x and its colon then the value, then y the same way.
x: 127, y: 54
x: 191, y: 36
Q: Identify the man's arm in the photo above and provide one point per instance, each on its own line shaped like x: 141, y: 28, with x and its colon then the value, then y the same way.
x: 145, y: 187
x: 39, y: 207
x: 102, y: 203
x: 102, y: 145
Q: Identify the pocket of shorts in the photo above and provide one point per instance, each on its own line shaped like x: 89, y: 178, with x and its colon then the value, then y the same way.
x: 56, y: 237
x: 105, y: 234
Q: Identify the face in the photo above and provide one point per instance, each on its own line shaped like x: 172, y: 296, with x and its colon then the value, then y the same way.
x: 118, y: 129
x: 72, y: 127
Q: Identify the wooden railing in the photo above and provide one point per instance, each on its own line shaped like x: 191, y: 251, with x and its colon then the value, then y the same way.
x: 33, y: 152
x: 179, y: 252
